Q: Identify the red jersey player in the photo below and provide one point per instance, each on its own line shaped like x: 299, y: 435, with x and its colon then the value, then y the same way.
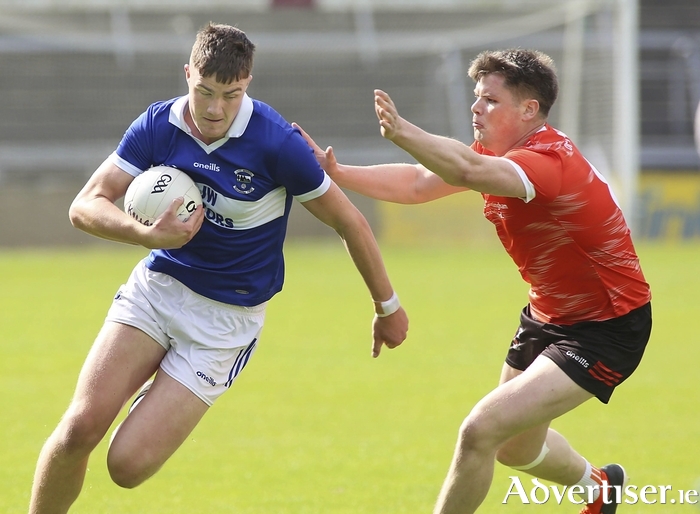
x: 588, y: 318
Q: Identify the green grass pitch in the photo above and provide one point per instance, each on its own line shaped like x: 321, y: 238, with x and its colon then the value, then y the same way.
x: 314, y: 424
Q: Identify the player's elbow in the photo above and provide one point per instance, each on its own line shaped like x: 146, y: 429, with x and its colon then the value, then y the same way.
x: 76, y: 214
x: 477, y: 175
x: 73, y: 215
x: 464, y: 176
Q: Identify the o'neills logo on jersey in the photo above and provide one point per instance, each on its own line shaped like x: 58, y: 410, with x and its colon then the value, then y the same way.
x: 244, y: 181
x: 211, y: 166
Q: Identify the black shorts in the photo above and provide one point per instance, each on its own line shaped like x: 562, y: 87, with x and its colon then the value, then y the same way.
x: 597, y: 355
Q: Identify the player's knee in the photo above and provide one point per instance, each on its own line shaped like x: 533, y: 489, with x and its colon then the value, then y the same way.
x: 80, y: 431
x: 128, y: 470
x: 129, y: 466
x: 123, y: 477
x: 477, y: 432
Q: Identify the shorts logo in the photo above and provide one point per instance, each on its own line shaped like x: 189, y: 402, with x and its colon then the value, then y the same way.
x: 516, y: 343
x: 601, y: 372
x: 583, y: 362
x: 206, y: 378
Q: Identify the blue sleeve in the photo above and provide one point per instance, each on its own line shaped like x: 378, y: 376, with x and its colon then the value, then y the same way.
x: 136, y: 146
x: 297, y: 168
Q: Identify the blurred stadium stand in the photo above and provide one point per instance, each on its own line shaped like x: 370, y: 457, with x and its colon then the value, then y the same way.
x: 77, y: 73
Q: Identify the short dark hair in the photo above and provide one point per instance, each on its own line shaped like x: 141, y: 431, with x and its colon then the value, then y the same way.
x: 528, y: 73
x: 222, y: 51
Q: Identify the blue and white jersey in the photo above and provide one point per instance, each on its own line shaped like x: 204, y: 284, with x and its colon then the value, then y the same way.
x: 247, y: 181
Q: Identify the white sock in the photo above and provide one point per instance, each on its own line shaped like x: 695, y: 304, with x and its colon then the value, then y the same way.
x: 590, y: 482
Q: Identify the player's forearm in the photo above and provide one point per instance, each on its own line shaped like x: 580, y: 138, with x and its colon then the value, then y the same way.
x: 99, y: 217
x: 397, y: 183
x: 364, y: 251
x: 448, y: 158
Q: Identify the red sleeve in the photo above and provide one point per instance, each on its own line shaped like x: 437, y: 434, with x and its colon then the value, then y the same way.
x: 543, y: 169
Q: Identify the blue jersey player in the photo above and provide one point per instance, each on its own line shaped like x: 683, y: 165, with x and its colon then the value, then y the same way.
x: 192, y: 311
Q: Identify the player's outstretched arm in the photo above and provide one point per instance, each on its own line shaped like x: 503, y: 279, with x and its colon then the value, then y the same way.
x: 453, y: 161
x: 398, y: 183
x: 94, y: 211
x: 335, y: 210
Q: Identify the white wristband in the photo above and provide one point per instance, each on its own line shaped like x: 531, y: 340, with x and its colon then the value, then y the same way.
x: 384, y: 309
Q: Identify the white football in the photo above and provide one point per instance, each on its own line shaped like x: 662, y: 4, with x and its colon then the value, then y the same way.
x: 150, y: 194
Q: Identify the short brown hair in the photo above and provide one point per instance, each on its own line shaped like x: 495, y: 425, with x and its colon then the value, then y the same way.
x: 528, y: 73
x: 222, y: 51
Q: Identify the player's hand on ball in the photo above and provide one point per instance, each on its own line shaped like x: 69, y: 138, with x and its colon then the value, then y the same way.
x: 169, y: 231
x: 389, y: 119
x: 390, y: 331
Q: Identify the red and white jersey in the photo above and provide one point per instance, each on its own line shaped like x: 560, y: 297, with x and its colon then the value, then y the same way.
x: 568, y: 238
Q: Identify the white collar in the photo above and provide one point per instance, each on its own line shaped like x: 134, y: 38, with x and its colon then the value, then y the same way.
x: 240, y: 122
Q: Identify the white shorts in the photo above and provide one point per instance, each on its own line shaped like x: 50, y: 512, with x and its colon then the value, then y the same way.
x: 208, y: 343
